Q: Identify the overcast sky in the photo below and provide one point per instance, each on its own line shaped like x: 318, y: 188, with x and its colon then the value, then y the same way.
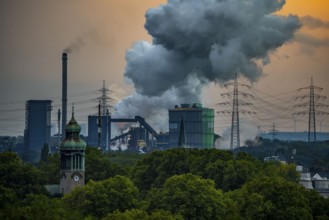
x: 35, y: 32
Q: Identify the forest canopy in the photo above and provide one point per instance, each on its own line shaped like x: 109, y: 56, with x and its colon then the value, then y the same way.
x: 171, y: 184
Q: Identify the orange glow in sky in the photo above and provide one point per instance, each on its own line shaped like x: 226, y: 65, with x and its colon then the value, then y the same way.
x: 34, y: 34
x: 318, y: 8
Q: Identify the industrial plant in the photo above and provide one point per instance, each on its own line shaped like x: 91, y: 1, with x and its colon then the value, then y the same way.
x: 189, y: 125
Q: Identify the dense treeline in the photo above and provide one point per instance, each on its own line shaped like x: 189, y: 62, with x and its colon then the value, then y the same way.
x: 314, y: 156
x: 172, y: 184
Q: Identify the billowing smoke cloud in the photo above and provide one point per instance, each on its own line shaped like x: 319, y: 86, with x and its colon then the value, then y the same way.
x: 155, y: 108
x: 201, y: 41
x: 313, y: 23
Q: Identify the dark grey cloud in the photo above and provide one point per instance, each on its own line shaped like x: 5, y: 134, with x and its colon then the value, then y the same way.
x: 215, y: 37
x: 209, y: 40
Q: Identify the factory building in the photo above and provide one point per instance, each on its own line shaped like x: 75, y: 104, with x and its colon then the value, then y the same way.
x: 37, y: 125
x: 198, y: 126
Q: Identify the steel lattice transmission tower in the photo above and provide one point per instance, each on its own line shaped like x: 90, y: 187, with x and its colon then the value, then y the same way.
x: 235, y: 125
x: 103, y: 99
x: 313, y: 106
x: 311, y: 116
x: 235, y: 111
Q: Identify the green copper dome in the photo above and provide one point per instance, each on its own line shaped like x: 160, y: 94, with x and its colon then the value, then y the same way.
x: 72, y: 139
x: 73, y: 126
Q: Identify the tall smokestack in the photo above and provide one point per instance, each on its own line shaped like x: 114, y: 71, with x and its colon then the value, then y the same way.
x: 64, y: 92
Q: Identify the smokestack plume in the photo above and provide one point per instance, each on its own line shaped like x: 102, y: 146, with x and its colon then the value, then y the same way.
x: 196, y: 42
x: 64, y: 92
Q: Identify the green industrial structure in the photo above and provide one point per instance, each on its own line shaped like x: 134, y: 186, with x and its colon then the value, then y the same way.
x: 193, y: 122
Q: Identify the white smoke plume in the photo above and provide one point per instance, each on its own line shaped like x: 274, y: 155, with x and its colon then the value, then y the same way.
x: 200, y: 41
x: 248, y: 132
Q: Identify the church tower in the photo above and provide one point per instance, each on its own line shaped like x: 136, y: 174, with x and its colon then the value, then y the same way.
x: 72, y: 152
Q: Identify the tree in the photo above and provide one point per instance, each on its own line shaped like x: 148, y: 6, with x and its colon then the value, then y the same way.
x: 22, y: 178
x: 277, y: 169
x: 272, y: 198
x: 155, y: 168
x: 98, y: 167
x: 192, y: 197
x: 51, y: 169
x: 236, y: 173
x: 142, y: 214
x: 43, y: 207
x: 8, y: 200
x: 318, y: 204
x: 103, y: 197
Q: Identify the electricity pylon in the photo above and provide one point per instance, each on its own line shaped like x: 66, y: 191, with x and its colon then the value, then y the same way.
x: 104, y: 98
x: 312, y: 104
x: 235, y: 124
x: 236, y: 103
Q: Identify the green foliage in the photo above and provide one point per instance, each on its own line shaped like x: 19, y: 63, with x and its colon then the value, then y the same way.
x: 191, y: 196
x: 7, y: 197
x: 42, y: 207
x: 141, y: 214
x: 98, y: 167
x: 155, y: 168
x: 174, y: 184
x: 272, y: 198
x: 318, y: 204
x: 51, y: 169
x: 125, y: 159
x: 236, y: 173
x: 277, y: 169
x: 228, y: 173
x: 314, y: 156
x: 128, y: 215
x: 20, y: 177
x: 103, y: 197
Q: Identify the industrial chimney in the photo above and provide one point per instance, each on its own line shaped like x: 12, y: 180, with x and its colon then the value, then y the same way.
x: 64, y: 92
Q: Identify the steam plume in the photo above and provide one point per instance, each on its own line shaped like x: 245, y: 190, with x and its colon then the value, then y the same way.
x: 200, y: 41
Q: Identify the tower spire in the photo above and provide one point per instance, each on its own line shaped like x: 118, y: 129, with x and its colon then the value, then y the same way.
x: 72, y: 110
